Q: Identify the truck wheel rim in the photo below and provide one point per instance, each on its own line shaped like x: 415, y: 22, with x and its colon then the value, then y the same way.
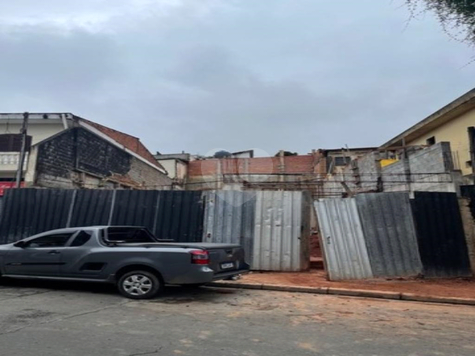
x: 137, y: 284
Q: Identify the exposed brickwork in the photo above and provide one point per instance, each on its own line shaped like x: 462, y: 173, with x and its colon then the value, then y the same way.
x: 261, y: 165
x: 265, y: 173
x: 63, y: 158
x: 131, y: 142
x: 202, y: 168
x: 299, y: 164
x: 148, y: 176
x: 98, y: 156
x: 56, y: 157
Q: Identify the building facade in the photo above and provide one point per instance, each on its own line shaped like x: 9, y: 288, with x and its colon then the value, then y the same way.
x: 70, y: 152
x: 455, y: 124
x: 176, y: 166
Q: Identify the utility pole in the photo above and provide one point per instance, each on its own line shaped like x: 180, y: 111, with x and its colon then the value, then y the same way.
x: 21, y: 161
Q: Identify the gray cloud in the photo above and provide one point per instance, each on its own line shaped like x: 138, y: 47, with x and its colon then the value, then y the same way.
x: 187, y: 75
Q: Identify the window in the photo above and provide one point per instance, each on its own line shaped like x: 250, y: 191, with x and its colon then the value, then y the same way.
x: 342, y: 161
x: 129, y: 235
x: 81, y: 238
x: 49, y: 241
x: 430, y: 141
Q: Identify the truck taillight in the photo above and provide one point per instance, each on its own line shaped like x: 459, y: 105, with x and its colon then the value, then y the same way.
x: 199, y: 257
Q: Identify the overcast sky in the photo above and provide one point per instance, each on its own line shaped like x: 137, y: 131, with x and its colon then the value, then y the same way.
x: 196, y: 75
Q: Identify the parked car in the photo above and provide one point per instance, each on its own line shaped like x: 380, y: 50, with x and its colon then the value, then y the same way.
x: 131, y: 257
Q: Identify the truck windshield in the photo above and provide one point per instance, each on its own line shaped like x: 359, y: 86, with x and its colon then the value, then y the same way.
x: 129, y: 235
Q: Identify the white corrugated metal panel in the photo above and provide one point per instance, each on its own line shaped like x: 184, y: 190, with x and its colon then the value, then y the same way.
x: 229, y: 218
x: 280, y: 239
x: 344, y: 245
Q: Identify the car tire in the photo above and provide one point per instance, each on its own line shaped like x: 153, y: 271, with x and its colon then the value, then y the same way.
x: 140, y: 285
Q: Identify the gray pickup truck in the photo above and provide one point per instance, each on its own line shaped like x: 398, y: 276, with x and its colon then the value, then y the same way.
x: 131, y: 257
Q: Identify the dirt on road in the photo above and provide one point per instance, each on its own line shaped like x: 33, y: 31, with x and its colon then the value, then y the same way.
x: 457, y: 288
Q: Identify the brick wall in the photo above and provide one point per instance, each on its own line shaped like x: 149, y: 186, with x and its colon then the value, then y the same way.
x: 269, y: 173
x: 56, y: 157
x: 261, y: 165
x: 78, y: 158
x: 131, y: 142
x: 98, y: 156
x: 148, y: 176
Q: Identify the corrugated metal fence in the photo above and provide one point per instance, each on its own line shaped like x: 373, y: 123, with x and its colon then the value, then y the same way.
x: 402, y: 238
x: 176, y: 215
x: 441, y: 236
x: 1, y: 207
x: 390, y: 234
x: 344, y: 247
x: 272, y: 226
x: 28, y: 212
x: 229, y: 218
x: 468, y: 191
x: 282, y: 231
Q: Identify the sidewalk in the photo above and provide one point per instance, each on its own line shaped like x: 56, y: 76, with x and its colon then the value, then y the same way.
x: 457, y: 291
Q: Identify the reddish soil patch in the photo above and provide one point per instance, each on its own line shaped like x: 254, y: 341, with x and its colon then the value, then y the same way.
x: 315, y: 250
x: 458, y: 288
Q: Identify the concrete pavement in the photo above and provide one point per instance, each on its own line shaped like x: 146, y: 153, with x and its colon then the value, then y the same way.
x: 73, y: 319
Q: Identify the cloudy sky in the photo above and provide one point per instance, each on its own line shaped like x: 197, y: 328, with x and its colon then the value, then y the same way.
x: 197, y: 75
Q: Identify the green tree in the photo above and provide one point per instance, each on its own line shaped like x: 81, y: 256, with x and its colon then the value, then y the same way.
x: 456, y: 16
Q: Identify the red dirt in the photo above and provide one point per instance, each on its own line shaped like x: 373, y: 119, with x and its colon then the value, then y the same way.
x: 458, y: 288
x: 315, y: 250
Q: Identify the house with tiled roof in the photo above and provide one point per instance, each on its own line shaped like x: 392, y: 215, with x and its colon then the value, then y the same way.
x: 67, y: 151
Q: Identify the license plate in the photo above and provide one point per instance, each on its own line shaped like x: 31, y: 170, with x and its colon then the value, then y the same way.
x: 227, y: 265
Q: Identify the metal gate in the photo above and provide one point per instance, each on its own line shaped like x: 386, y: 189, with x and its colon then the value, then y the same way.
x: 440, y: 235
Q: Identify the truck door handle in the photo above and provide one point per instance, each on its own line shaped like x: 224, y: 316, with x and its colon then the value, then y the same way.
x: 54, y: 252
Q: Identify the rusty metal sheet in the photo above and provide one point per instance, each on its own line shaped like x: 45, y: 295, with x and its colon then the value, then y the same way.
x: 343, y: 242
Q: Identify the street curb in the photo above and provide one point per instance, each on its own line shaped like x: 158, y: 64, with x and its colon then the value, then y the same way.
x: 365, y: 293
x: 445, y: 300
x: 359, y: 293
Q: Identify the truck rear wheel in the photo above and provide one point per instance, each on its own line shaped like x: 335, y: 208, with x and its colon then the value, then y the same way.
x: 139, y: 285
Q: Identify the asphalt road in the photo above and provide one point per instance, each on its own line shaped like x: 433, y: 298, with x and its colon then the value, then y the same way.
x: 89, y: 320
